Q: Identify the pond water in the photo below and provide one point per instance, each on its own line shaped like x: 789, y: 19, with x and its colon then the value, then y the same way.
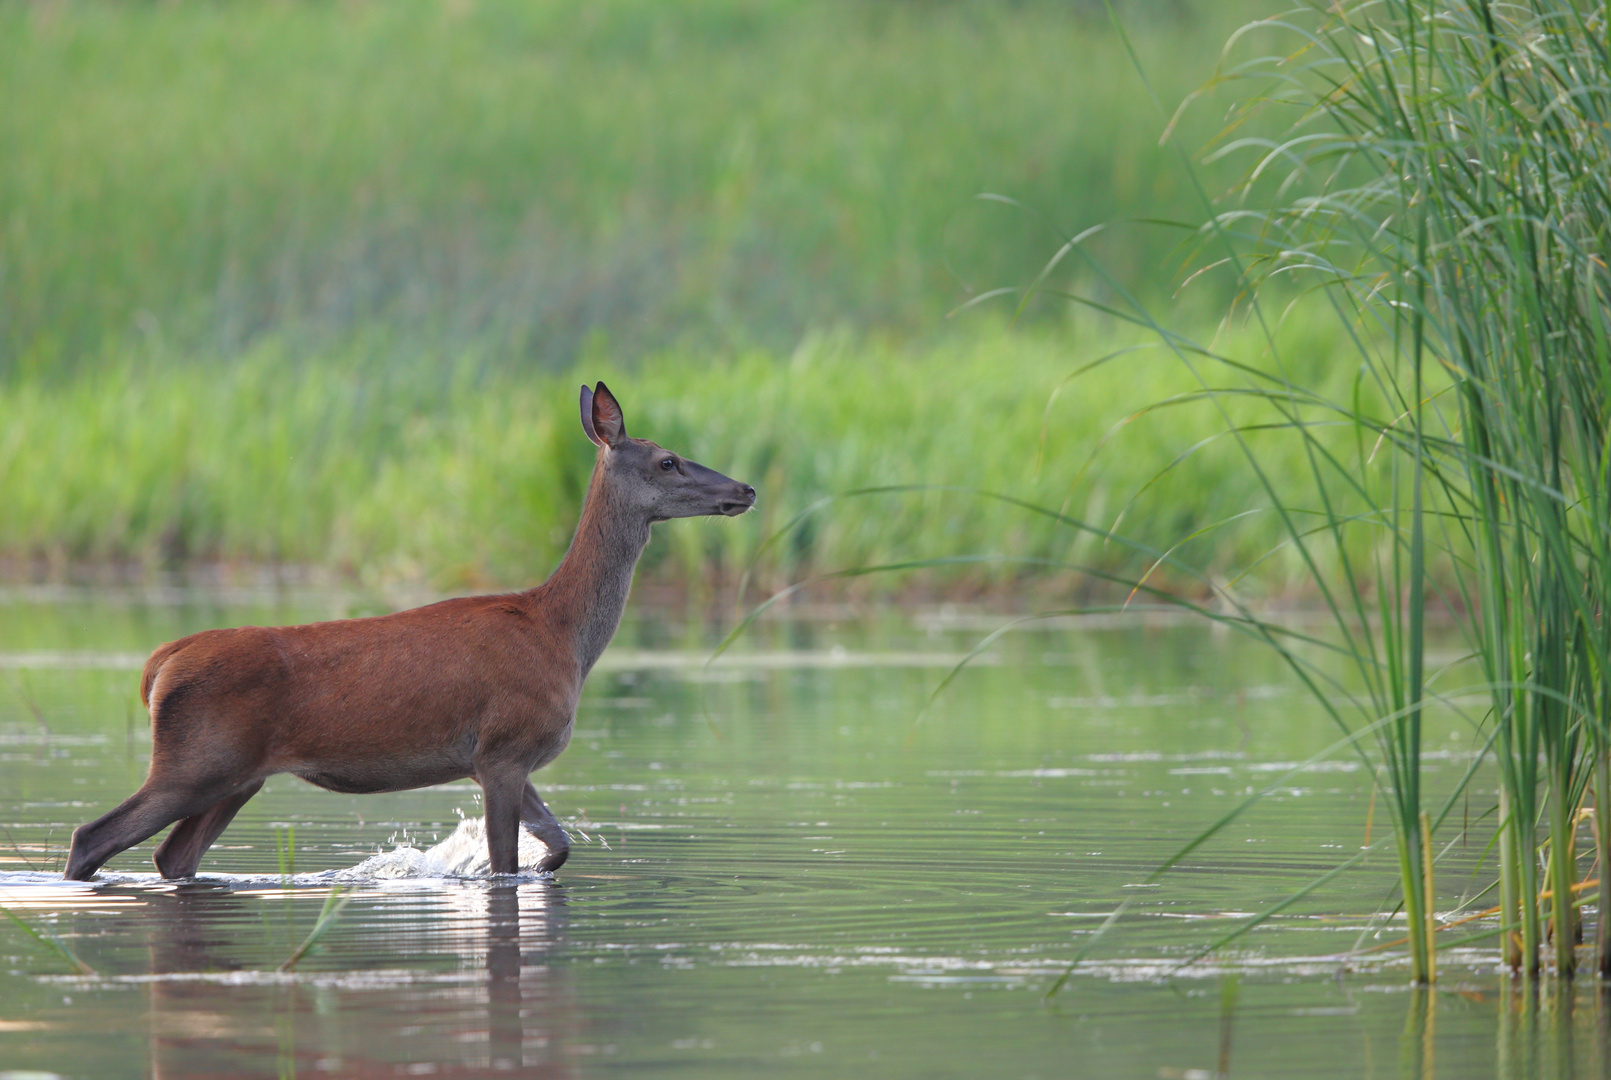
x: 778, y: 870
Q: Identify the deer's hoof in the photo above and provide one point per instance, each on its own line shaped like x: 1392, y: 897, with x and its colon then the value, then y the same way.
x: 554, y: 859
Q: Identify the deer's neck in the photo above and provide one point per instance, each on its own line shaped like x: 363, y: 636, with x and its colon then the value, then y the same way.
x: 587, y: 594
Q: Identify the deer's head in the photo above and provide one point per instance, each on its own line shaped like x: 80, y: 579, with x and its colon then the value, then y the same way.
x: 651, y: 479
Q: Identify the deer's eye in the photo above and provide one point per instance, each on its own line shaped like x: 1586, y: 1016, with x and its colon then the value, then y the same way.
x: 668, y: 464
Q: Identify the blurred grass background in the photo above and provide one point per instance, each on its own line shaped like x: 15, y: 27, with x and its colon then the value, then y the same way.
x: 315, y: 283
x: 465, y: 477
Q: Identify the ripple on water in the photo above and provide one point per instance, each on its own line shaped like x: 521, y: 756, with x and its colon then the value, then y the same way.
x: 794, y: 877
x: 462, y: 856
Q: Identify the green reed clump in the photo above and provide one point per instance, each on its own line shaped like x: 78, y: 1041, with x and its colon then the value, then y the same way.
x: 1453, y: 165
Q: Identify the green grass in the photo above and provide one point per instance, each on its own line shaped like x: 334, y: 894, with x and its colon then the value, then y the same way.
x: 527, y: 177
x: 462, y: 474
x: 315, y: 283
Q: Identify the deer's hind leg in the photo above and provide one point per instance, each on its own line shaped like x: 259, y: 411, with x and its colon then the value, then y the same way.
x: 138, y: 818
x: 180, y: 854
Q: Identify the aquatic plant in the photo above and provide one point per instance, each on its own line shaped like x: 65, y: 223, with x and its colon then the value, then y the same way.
x: 1446, y: 199
x: 1461, y: 225
x: 334, y: 903
x: 49, y: 939
x: 1452, y: 211
x: 285, y: 852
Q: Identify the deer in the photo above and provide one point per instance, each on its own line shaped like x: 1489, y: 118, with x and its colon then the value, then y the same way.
x: 481, y: 687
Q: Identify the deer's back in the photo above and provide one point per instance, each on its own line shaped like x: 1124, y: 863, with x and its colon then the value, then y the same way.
x: 428, y: 681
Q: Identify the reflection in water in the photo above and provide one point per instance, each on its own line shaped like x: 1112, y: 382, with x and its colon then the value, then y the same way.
x: 784, y: 881
x: 504, y: 1009
x: 1538, y: 1030
x: 1518, y: 1029
x: 1560, y: 1032
x: 1602, y: 1032
x: 1416, y: 1058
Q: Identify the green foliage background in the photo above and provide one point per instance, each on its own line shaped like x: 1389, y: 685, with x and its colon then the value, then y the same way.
x: 315, y: 282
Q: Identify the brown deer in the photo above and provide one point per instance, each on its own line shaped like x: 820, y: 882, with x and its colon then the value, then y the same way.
x: 483, y: 687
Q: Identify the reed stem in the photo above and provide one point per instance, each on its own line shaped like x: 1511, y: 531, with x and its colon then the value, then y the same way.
x: 1431, y: 914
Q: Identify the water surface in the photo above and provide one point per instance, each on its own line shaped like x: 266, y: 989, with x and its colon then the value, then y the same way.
x: 777, y: 871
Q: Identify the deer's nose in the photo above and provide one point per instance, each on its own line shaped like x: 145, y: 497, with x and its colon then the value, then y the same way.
x: 747, y: 491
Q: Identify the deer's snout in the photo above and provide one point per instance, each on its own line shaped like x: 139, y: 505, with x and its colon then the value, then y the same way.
x: 743, y: 500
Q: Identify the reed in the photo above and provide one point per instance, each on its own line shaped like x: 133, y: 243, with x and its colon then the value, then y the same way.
x: 1447, y: 200
x: 1453, y: 209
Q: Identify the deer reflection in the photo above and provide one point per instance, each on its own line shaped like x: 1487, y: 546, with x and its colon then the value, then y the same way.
x: 455, y: 981
x: 511, y: 1000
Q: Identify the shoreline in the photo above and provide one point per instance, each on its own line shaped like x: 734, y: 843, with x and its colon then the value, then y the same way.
x: 937, y: 606
x: 50, y: 580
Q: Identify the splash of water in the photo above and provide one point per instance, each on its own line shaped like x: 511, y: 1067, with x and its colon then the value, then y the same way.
x: 462, y: 855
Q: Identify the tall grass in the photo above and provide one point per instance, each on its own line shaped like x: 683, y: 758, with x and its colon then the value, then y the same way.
x: 1448, y: 201
x: 1454, y: 205
x: 465, y: 475
x: 297, y: 284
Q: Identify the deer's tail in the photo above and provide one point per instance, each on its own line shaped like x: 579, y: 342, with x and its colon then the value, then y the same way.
x: 153, y: 667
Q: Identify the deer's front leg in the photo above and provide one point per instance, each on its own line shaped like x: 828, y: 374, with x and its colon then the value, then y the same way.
x: 540, y: 821
x: 501, y: 790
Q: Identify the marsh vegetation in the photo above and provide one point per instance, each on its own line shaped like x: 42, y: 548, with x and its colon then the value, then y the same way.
x: 1443, y: 194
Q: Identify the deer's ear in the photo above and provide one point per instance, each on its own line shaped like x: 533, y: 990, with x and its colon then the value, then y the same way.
x: 587, y: 416
x: 609, y: 426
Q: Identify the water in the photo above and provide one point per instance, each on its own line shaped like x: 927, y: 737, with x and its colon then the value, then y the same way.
x: 777, y: 870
